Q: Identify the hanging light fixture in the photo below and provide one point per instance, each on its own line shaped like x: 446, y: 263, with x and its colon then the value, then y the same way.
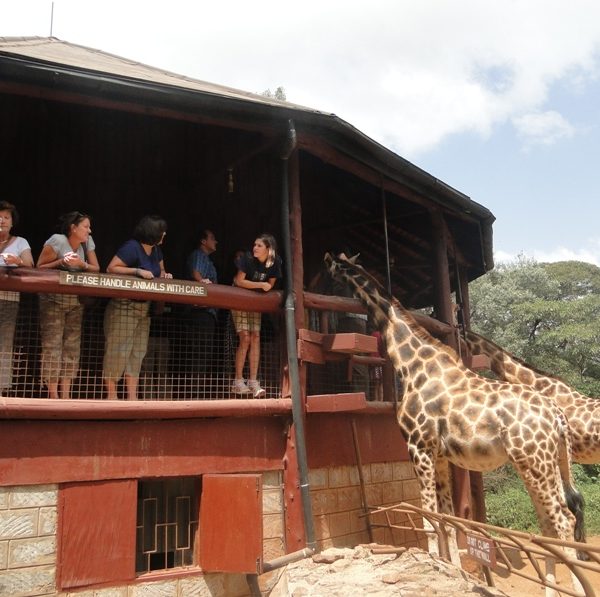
x: 230, y: 179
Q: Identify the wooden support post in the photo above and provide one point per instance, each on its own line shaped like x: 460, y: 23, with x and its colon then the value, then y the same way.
x: 297, y: 267
x: 444, y: 310
x: 476, y: 478
x: 361, y: 479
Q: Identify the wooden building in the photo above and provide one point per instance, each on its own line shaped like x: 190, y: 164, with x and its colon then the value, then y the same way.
x: 192, y: 495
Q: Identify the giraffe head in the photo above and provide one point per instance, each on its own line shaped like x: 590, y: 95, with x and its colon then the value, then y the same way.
x: 364, y: 286
x: 347, y: 271
x: 336, y: 265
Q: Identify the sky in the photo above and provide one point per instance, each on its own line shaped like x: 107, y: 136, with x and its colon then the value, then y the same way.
x: 499, y: 99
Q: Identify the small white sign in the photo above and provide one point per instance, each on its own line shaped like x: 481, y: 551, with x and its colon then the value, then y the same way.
x: 481, y: 549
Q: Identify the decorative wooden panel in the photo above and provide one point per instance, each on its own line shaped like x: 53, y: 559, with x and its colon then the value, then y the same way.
x: 96, y: 533
x: 231, y: 523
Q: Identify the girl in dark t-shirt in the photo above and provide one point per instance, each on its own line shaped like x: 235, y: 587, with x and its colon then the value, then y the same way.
x: 256, y: 271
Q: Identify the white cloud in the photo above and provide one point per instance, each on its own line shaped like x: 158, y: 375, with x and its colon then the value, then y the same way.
x: 407, y: 73
x: 542, y: 128
x: 589, y: 253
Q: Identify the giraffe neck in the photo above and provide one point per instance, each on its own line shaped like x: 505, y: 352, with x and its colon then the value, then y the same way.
x: 512, y: 369
x: 503, y: 364
x: 404, y: 337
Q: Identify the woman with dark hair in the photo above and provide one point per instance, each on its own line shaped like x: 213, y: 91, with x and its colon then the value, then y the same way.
x: 72, y: 249
x: 14, y: 252
x: 126, y: 321
x: 258, y: 270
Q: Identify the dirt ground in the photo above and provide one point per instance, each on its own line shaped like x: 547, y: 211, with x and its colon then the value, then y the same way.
x: 345, y: 572
x: 514, y: 585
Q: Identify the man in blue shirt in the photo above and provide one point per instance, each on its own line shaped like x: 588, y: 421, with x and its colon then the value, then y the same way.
x: 200, y: 268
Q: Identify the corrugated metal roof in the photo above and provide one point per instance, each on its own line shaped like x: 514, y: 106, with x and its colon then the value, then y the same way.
x: 56, y: 51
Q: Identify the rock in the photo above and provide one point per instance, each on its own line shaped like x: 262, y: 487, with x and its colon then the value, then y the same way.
x: 339, y: 572
x: 391, y: 578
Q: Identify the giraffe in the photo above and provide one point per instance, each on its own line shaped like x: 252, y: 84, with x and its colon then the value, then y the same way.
x: 582, y: 412
x: 450, y: 414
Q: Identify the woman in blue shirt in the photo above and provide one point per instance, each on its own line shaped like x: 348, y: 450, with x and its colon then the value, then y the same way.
x: 126, y: 321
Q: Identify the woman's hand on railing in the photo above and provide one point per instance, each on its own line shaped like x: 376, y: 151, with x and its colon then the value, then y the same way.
x: 144, y: 273
x: 10, y: 259
x: 72, y: 260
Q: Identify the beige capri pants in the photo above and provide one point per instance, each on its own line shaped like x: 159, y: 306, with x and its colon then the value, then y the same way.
x: 60, y: 330
x: 8, y: 322
x: 248, y: 321
x: 126, y: 330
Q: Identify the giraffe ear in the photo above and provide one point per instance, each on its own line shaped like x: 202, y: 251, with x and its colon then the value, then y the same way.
x: 353, y: 259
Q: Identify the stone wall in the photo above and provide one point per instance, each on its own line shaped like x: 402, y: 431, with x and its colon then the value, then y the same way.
x: 28, y: 522
x: 28, y: 517
x: 28, y: 540
x: 336, y: 501
x: 273, y: 516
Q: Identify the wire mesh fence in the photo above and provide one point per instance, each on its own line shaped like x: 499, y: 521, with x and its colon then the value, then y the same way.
x: 57, y: 345
x: 169, y: 351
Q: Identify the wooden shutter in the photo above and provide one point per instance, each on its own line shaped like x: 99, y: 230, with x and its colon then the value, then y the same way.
x: 231, y: 523
x: 96, y: 533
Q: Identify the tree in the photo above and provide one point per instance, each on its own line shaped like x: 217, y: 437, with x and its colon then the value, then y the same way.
x: 547, y: 314
x: 278, y: 94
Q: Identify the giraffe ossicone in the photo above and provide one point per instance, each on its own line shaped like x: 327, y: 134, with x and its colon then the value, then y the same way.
x: 449, y: 414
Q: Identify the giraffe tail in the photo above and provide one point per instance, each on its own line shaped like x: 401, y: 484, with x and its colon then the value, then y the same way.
x: 574, y: 499
x: 576, y: 505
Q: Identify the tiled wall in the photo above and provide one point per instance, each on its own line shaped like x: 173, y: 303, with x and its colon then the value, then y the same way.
x: 28, y: 540
x: 336, y: 501
x: 273, y: 523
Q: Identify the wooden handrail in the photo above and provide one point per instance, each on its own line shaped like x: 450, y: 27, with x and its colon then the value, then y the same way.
x: 325, y: 302
x: 24, y: 279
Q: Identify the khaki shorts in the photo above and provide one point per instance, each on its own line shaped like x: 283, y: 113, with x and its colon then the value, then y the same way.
x: 126, y: 329
x: 248, y: 321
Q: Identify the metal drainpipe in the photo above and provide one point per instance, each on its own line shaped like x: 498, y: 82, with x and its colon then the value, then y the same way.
x: 386, y: 239
x: 292, y: 350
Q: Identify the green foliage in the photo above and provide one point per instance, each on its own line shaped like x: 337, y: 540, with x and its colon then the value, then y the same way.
x: 512, y: 509
x: 279, y: 94
x: 509, y: 506
x: 546, y: 314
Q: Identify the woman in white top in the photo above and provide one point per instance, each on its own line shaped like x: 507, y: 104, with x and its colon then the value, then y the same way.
x: 61, y: 314
x: 14, y: 252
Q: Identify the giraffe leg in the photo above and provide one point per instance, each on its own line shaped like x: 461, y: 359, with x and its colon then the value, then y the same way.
x: 445, y: 506
x: 547, y: 494
x: 424, y: 466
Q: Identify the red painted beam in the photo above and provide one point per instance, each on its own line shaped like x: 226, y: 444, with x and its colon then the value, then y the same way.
x: 36, y: 408
x: 38, y: 452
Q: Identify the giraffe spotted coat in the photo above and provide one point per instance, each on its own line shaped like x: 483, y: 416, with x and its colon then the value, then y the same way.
x: 450, y: 414
x: 582, y: 412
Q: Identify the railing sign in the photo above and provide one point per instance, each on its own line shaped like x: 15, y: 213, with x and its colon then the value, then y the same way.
x: 481, y: 549
x: 156, y: 285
